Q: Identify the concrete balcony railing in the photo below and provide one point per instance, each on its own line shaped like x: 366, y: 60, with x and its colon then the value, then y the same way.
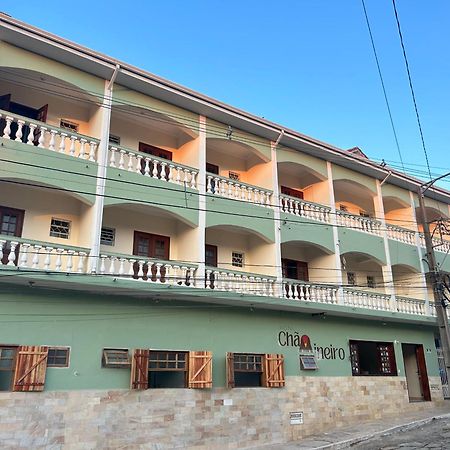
x: 367, y: 299
x: 309, y: 292
x: 149, y: 270
x: 438, y: 244
x: 225, y: 187
x: 36, y: 255
x: 360, y: 223
x: 411, y: 306
x: 242, y: 282
x: 49, y: 137
x: 152, y: 166
x: 302, y: 208
x: 400, y: 234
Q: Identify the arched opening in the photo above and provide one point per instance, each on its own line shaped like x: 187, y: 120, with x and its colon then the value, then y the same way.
x: 433, y: 216
x: 302, y: 182
x: 362, y: 271
x: 154, y: 133
x: 354, y: 198
x: 408, y: 282
x: 398, y: 213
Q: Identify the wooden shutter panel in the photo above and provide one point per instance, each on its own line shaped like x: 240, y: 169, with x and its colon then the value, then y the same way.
x: 31, y: 367
x: 200, y: 370
x: 230, y: 369
x: 139, y: 368
x: 273, y: 370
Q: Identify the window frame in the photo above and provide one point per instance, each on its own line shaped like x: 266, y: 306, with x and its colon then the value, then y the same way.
x: 113, y: 242
x: 380, y: 346
x: 61, y: 220
x: 242, y: 257
x: 59, y: 347
x: 349, y: 276
x: 69, y: 125
x: 111, y: 365
x: 371, y: 281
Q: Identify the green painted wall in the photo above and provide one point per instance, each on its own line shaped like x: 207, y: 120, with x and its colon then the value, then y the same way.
x: 317, y: 165
x: 443, y: 260
x: 402, y: 253
x: 123, y: 187
x: 342, y: 173
x: 357, y: 241
x: 256, y: 218
x: 66, y: 171
x: 87, y: 323
x: 295, y: 228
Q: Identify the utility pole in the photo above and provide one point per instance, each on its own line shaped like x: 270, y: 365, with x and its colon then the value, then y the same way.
x: 435, y: 277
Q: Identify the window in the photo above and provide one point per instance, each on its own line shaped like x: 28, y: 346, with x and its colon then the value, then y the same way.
x: 69, y: 125
x: 292, y: 192
x: 151, y: 245
x: 255, y: 370
x: 363, y: 213
x: 114, y: 139
x: 308, y: 362
x: 233, y: 176
x: 211, y: 255
x: 212, y: 168
x: 152, y: 369
x: 295, y: 270
x: 108, y: 236
x: 343, y: 208
x: 116, y: 358
x: 237, y: 259
x: 370, y: 281
x: 58, y: 357
x: 7, y: 356
x: 351, y: 278
x: 372, y: 358
x: 60, y: 228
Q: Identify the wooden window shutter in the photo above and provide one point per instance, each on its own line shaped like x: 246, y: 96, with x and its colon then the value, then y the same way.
x: 200, y: 370
x: 230, y: 369
x: 31, y: 367
x: 139, y: 368
x: 273, y: 370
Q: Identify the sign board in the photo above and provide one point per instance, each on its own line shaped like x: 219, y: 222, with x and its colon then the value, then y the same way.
x: 296, y: 418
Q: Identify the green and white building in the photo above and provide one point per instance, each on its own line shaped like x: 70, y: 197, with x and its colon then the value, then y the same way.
x: 175, y: 271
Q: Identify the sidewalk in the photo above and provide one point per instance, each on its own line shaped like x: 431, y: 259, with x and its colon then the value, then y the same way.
x: 347, y: 436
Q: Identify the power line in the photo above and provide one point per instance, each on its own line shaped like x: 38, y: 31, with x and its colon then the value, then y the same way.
x: 411, y: 87
x: 382, y: 83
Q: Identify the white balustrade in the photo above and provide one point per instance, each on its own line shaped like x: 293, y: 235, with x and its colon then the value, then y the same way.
x: 410, y: 306
x: 237, y: 190
x: 46, y: 136
x: 242, y: 282
x: 302, y: 208
x: 27, y: 254
x: 151, y: 166
x: 152, y: 271
x: 401, y: 234
x: 359, y: 223
x: 308, y: 292
x: 366, y: 299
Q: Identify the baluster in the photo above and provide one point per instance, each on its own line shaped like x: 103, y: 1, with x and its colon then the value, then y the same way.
x: 258, y: 286
x: 24, y: 255
x: 250, y: 194
x: 171, y: 169
x: 216, y: 187
x: 103, y: 264
x: 122, y: 159
x: 223, y: 188
x: 291, y: 206
x: 294, y: 288
x: 19, y: 132
x: 167, y: 274
x: 236, y: 191
x: 178, y: 179
x: 121, y: 266
x: 243, y: 193
x: 7, y: 129
x: 112, y: 263
x: 12, y: 254
x: 268, y: 199
x: 47, y: 258
x: 69, y: 262
x: 193, y: 181
x: 256, y: 196
x: 176, y: 274
x: 155, y: 168
x: 163, y: 171
x: 138, y: 164
x: 112, y: 158
x: 295, y: 208
x: 140, y: 273
x: 208, y: 184
x: 230, y: 189
x: 131, y: 268
x: 62, y: 142
x: 81, y: 256
x: 92, y: 149
x: 52, y: 142
x: 218, y: 280
x: 82, y: 148
x: 35, y: 260
x: 302, y: 292
x: 58, y: 262
x: 147, y: 167
x: 130, y: 162
x: 72, y: 145
x: 208, y: 282
x: 184, y: 274
x: 262, y: 198
x: 2, y: 243
x: 186, y: 177
x: 30, y: 139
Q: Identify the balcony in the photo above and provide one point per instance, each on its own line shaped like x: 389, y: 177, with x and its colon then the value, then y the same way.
x: 359, y: 223
x: 302, y: 208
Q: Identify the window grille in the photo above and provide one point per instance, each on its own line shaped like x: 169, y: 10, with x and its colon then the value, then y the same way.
x: 108, y: 236
x: 113, y: 139
x: 370, y: 281
x: 308, y: 362
x: 343, y: 208
x: 167, y: 361
x: 351, y: 278
x: 116, y: 358
x: 233, y: 175
x: 60, y: 228
x: 58, y: 357
x: 248, y: 362
x: 69, y: 125
x: 237, y: 259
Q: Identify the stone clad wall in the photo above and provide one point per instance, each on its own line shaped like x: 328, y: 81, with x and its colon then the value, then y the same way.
x: 217, y: 418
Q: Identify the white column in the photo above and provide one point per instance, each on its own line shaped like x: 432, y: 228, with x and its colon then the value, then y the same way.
x: 388, y: 277
x: 278, y: 289
x: 422, y: 254
x: 201, y: 183
x: 102, y: 161
x: 333, y: 220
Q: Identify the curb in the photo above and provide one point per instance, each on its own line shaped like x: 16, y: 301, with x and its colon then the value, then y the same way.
x: 387, y: 432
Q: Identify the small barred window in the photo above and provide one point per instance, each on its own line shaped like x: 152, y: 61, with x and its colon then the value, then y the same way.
x: 108, y: 236
x: 60, y: 228
x: 237, y: 259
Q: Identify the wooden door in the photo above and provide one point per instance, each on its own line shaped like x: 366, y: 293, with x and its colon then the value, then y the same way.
x: 422, y: 371
x: 292, y: 192
x: 212, y: 168
x: 11, y: 224
x: 211, y: 255
x: 296, y: 270
x: 149, y: 245
x: 155, y: 151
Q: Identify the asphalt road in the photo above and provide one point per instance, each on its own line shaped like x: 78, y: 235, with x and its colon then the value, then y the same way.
x: 435, y: 434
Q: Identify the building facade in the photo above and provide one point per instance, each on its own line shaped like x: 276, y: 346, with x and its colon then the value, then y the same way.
x: 175, y: 271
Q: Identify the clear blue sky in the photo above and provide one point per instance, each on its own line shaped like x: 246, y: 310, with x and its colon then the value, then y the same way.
x: 306, y: 64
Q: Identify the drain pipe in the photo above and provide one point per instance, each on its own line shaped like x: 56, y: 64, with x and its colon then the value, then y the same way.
x: 386, y: 177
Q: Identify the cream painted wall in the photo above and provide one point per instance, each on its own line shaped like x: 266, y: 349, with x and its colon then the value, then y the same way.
x: 409, y: 284
x: 353, y: 208
x: 318, y: 193
x: 257, y: 252
x: 188, y: 154
x: 361, y: 279
x: 260, y: 175
x: 41, y: 206
x: 403, y: 217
